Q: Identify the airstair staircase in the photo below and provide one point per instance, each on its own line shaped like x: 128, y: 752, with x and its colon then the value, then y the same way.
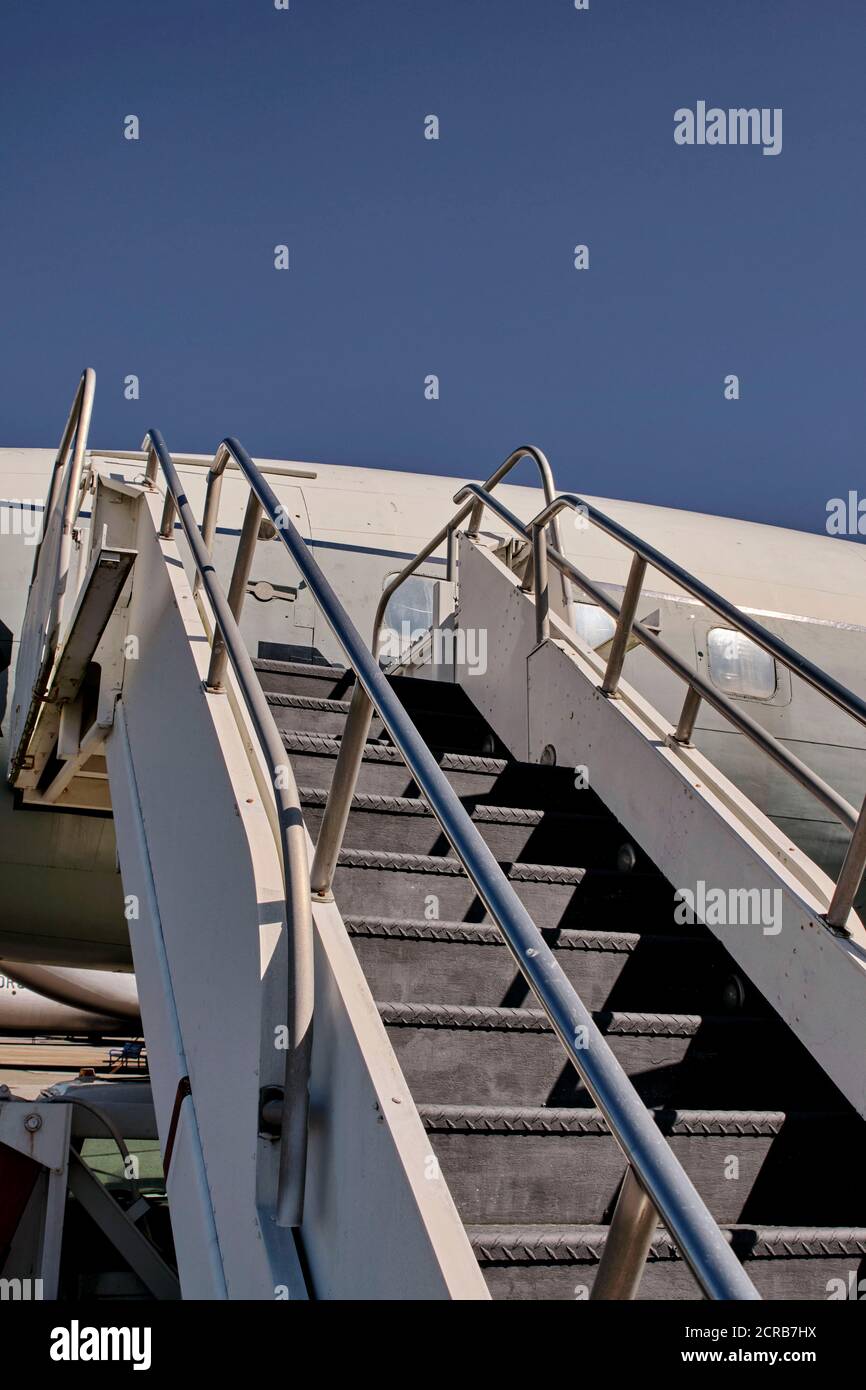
x: 423, y: 1017
x: 528, y: 1158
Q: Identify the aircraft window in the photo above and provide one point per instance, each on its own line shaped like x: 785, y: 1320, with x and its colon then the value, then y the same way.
x: 408, y: 615
x: 593, y: 624
x: 738, y: 666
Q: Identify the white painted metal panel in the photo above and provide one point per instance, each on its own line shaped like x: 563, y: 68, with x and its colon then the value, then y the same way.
x: 379, y: 1220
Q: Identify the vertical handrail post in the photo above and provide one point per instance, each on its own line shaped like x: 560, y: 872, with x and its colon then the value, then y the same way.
x: 339, y: 803
x: 688, y: 715
x: 542, y: 591
x: 213, y: 493
x: 628, y: 1242
x: 527, y: 584
x: 850, y: 877
x: 166, y: 525
x: 245, y: 555
x: 625, y: 622
x: 237, y: 589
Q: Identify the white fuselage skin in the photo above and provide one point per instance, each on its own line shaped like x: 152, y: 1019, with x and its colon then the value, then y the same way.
x: 25, y: 1010
x: 61, y: 900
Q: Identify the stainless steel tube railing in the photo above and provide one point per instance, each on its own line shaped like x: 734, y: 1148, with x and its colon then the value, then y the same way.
x: 698, y: 689
x: 788, y: 656
x: 76, y: 429
x: 292, y: 834
x: 655, y: 1168
x: 45, y: 601
x: 474, y: 510
x: 360, y: 714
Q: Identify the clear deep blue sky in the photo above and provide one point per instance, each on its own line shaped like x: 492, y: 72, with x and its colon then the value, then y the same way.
x: 411, y: 257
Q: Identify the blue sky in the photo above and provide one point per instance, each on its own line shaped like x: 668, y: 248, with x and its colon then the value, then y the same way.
x: 411, y: 257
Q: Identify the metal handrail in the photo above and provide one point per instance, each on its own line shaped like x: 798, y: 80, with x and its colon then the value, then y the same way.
x: 66, y: 480
x: 698, y: 688
x: 357, y: 727
x: 654, y: 1178
x: 77, y: 426
x: 447, y: 532
x: 854, y: 863
x: 761, y: 636
x: 292, y: 841
x: 653, y: 1167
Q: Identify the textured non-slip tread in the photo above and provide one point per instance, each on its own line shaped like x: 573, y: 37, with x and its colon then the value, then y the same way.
x: 798, y: 1242
x: 393, y: 860
x: 488, y: 934
x: 389, y: 817
x: 494, y: 1019
x: 484, y: 814
x: 298, y: 668
x: 322, y: 703
x: 298, y: 741
x: 338, y: 704
x: 415, y: 806
x: 496, y: 1244
x: 556, y: 1120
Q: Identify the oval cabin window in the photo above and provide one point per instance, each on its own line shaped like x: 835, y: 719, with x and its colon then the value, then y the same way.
x: 592, y: 624
x: 408, y: 615
x: 738, y: 666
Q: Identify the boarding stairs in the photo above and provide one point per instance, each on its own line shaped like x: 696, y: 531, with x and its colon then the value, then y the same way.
x: 421, y: 1017
x: 526, y: 1155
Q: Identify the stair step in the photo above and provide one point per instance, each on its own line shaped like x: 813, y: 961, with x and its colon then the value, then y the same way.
x: 317, y: 714
x: 314, y: 714
x: 525, y: 1152
x: 441, y: 712
x: 560, y: 1261
x: 457, y: 962
x: 383, y: 772
x: 522, y: 1164
x: 303, y: 678
x: 554, y: 895
x: 541, y: 837
x: 453, y: 1053
x: 382, y: 768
